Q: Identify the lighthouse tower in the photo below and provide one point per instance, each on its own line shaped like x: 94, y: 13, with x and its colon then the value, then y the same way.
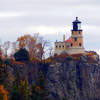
x: 74, y: 44
x: 77, y: 37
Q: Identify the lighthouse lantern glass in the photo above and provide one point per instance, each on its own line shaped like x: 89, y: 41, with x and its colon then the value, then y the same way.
x: 79, y: 26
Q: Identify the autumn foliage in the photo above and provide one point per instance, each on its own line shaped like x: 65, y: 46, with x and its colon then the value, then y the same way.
x: 32, y: 44
x: 3, y: 92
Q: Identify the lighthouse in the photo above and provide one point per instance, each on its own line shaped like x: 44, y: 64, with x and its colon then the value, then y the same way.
x: 77, y: 37
x: 74, y: 44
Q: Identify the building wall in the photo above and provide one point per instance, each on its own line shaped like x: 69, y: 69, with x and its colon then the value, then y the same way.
x: 79, y: 39
x: 61, y: 47
x: 76, y: 50
x: 76, y: 33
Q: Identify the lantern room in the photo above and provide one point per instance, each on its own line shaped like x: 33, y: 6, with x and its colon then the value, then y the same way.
x: 76, y: 25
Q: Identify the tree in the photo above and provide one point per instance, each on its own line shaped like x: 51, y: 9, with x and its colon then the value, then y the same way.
x: 6, y: 47
x: 15, y: 93
x: 35, y: 45
x: 20, y: 89
x: 14, y: 48
x: 3, y: 93
x: 42, y: 83
x: 15, y: 90
x: 22, y: 55
x: 24, y: 90
x: 3, y: 72
x: 35, y: 93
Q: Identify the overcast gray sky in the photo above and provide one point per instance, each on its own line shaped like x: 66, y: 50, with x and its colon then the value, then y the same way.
x: 51, y: 18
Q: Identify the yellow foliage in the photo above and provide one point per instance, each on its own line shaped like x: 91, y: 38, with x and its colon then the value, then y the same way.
x: 90, y: 53
x: 48, y: 60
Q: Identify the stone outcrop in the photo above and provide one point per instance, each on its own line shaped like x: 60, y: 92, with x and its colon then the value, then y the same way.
x: 74, y: 79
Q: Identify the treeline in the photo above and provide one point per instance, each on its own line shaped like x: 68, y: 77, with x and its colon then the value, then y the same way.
x: 37, y: 47
x: 22, y: 90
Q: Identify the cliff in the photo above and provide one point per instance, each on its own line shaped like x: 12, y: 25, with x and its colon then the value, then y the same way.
x: 77, y: 79
x: 74, y: 77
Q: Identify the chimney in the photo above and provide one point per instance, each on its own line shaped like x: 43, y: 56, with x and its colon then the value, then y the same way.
x: 63, y: 37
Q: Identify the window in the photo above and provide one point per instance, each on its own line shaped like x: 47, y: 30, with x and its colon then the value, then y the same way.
x: 79, y: 32
x: 79, y: 26
x: 56, y: 46
x: 80, y: 44
x: 63, y: 46
x: 75, y: 38
x: 60, y: 46
x: 71, y: 44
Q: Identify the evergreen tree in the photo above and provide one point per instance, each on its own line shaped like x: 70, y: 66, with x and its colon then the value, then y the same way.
x: 17, y: 79
x: 24, y: 90
x: 42, y: 83
x: 20, y: 91
x: 22, y: 55
x: 15, y: 93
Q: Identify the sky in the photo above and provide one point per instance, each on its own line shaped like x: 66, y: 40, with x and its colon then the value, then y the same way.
x: 50, y: 18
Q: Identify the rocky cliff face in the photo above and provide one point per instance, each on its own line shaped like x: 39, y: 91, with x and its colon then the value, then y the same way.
x: 74, y: 79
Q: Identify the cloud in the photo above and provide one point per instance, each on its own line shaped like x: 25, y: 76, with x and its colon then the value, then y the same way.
x: 9, y: 14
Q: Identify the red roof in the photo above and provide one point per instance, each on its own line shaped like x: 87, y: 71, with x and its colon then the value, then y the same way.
x: 69, y: 40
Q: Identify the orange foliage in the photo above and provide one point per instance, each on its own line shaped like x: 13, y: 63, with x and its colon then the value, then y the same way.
x: 90, y: 54
x: 18, y: 63
x: 4, y: 92
x: 33, y: 46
